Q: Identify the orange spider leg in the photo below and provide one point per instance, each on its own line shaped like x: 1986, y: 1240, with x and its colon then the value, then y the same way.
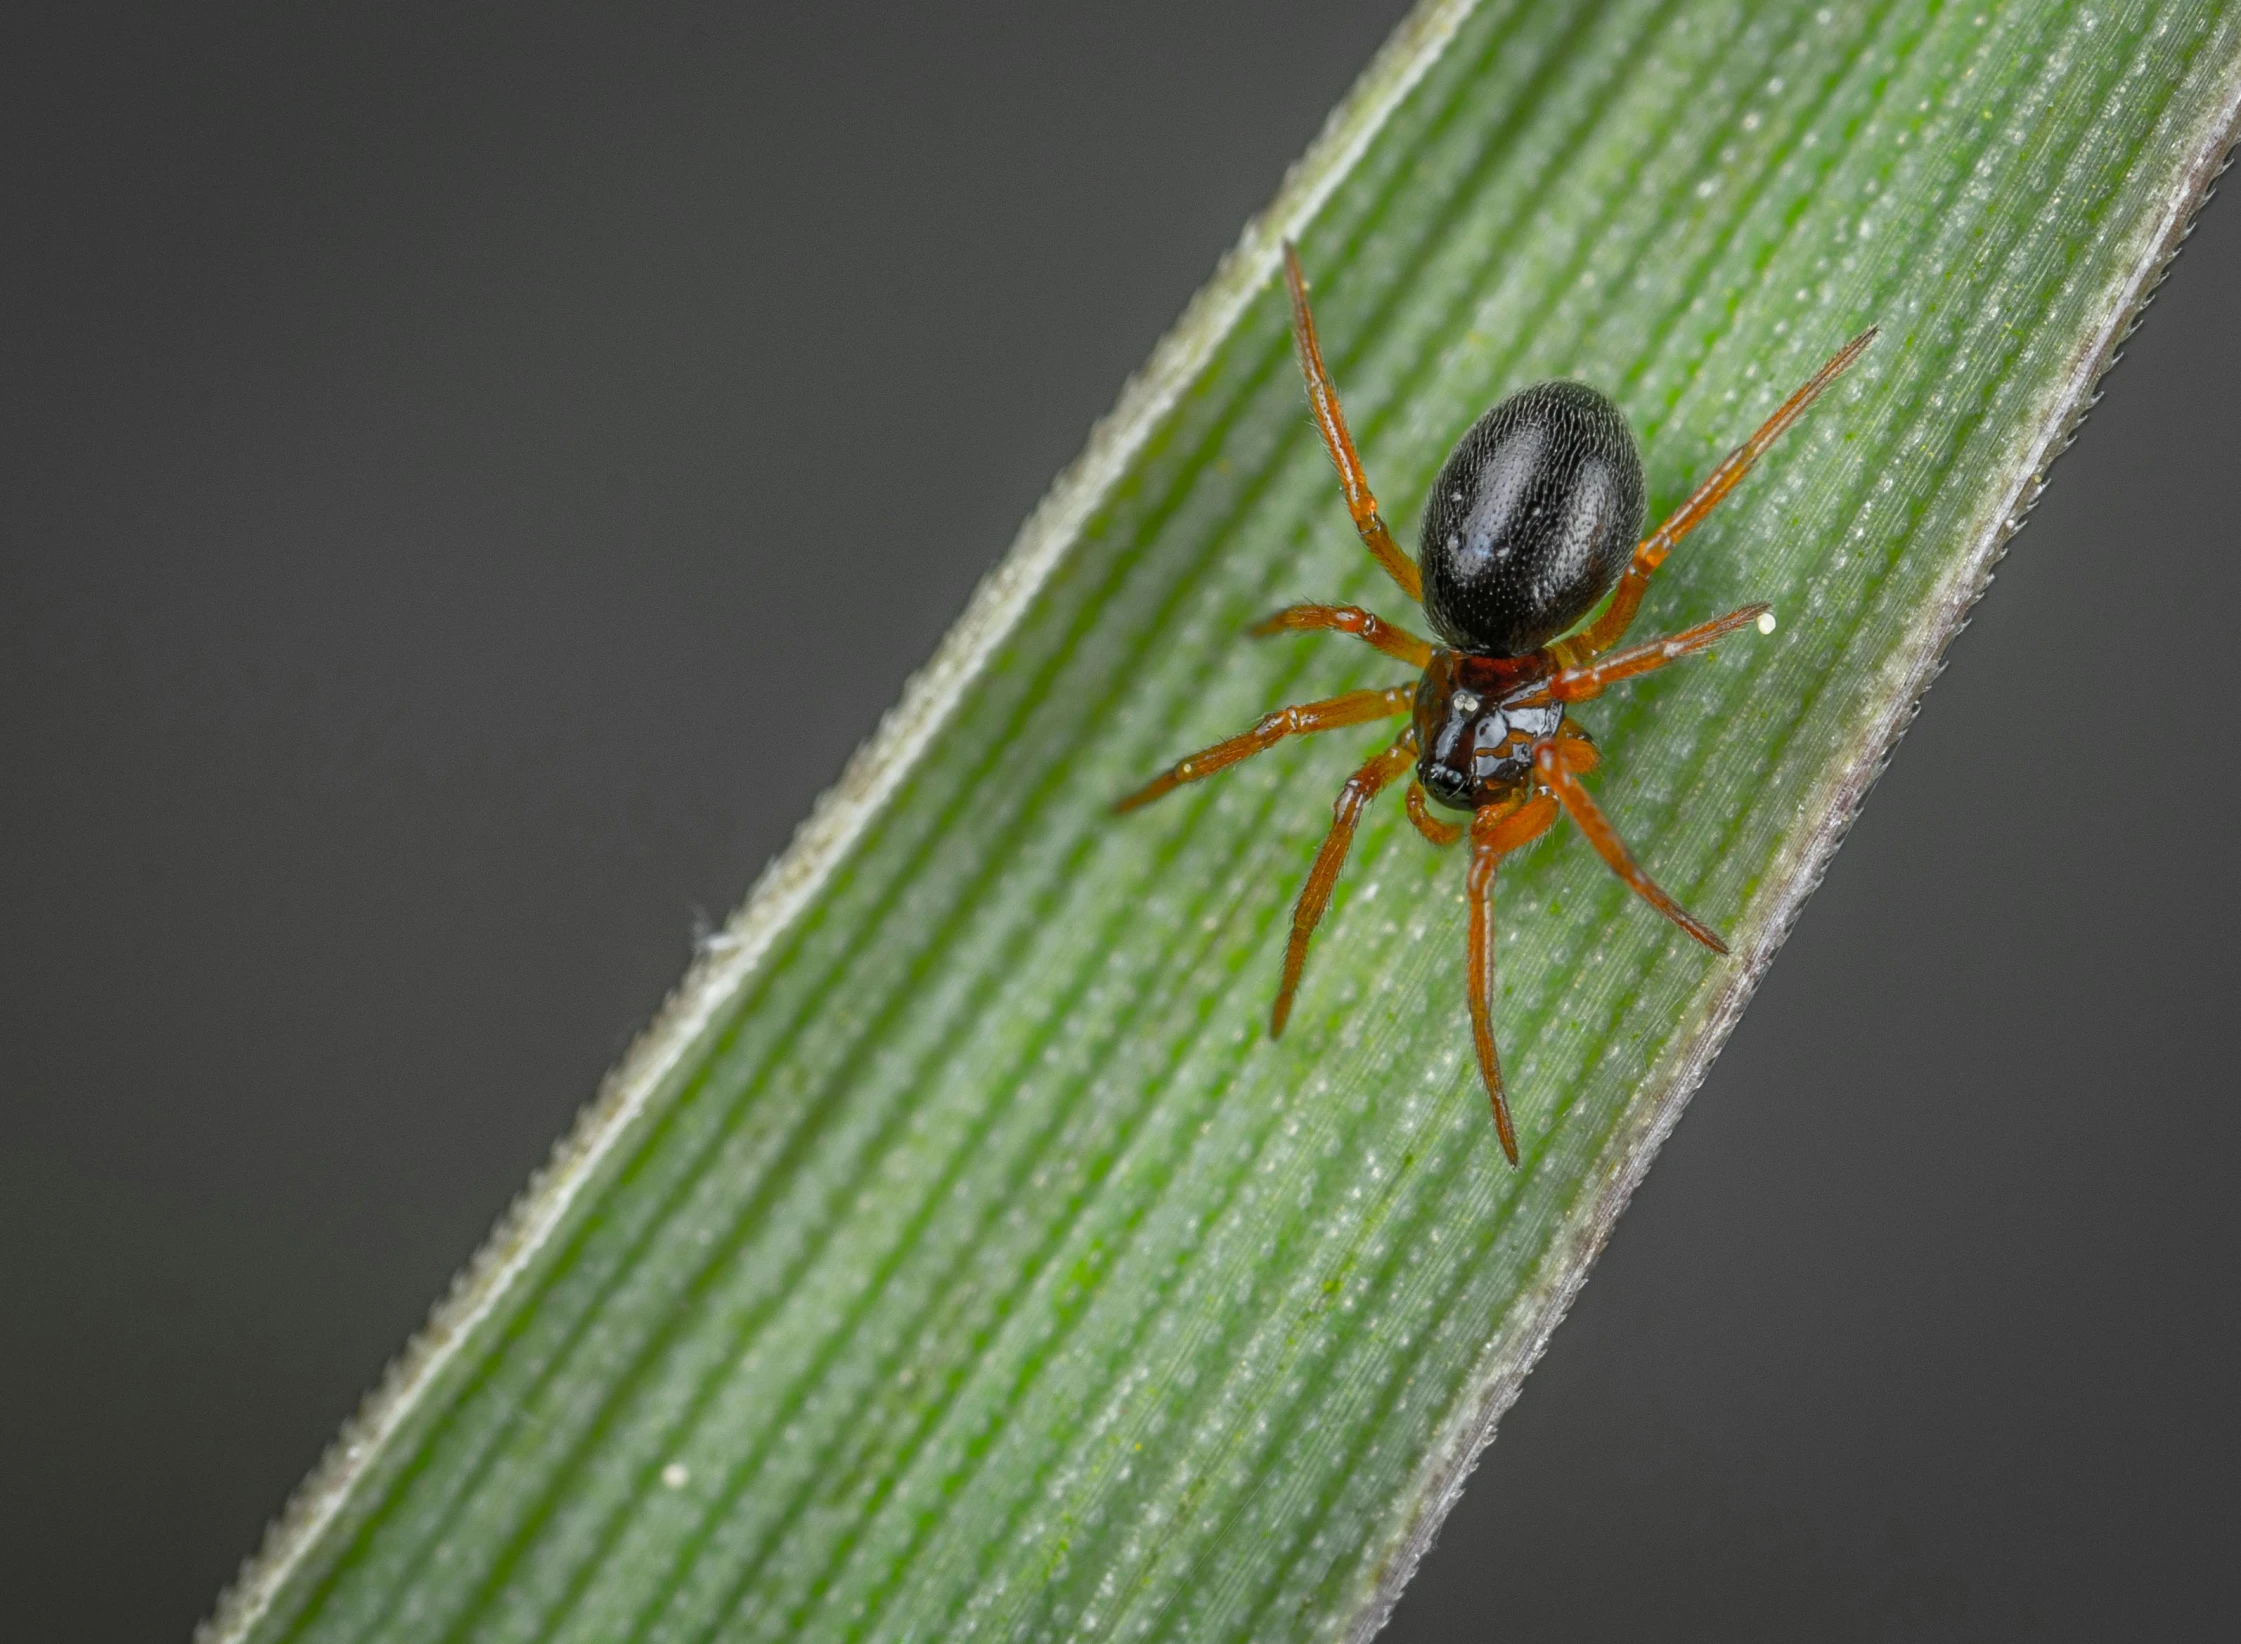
x: 1609, y: 628
x: 1322, y: 879
x: 1579, y: 684
x: 1556, y: 765
x: 1431, y: 827
x: 1394, y: 641
x: 1496, y: 830
x: 1578, y: 749
x: 1354, y: 708
x: 1330, y: 421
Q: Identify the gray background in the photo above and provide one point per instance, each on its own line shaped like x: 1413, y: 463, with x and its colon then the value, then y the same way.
x: 400, y: 651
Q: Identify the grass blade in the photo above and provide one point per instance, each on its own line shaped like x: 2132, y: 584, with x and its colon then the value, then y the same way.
x: 956, y: 1257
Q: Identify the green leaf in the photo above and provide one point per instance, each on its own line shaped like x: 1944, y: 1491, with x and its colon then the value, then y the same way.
x: 957, y: 1256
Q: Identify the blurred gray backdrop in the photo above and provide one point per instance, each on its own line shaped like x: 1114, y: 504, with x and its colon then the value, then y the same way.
x: 472, y: 474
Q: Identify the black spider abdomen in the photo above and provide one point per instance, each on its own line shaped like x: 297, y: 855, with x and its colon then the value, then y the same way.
x: 1535, y: 514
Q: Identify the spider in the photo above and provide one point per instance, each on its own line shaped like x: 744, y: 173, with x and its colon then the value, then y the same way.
x: 1531, y: 522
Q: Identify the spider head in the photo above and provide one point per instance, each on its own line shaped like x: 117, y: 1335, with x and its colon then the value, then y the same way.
x: 1473, y: 750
